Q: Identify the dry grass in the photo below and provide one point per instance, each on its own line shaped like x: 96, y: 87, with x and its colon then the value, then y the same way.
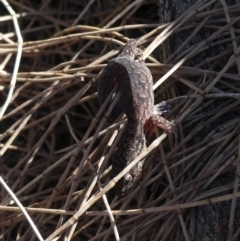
x: 58, y: 167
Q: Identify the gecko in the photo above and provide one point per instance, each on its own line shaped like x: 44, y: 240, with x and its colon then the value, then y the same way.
x: 135, y: 81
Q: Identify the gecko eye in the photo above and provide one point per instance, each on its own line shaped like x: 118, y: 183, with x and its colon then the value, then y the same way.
x: 128, y: 178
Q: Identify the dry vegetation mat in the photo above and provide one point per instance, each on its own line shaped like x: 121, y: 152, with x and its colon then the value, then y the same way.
x: 56, y: 142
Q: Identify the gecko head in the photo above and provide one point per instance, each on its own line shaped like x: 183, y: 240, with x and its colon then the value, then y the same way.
x: 124, y: 185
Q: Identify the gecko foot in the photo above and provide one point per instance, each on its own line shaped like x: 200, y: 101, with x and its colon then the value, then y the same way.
x: 162, y: 108
x: 158, y: 121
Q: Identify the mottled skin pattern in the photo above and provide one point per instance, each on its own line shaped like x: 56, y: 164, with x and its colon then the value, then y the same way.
x: 135, y: 82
